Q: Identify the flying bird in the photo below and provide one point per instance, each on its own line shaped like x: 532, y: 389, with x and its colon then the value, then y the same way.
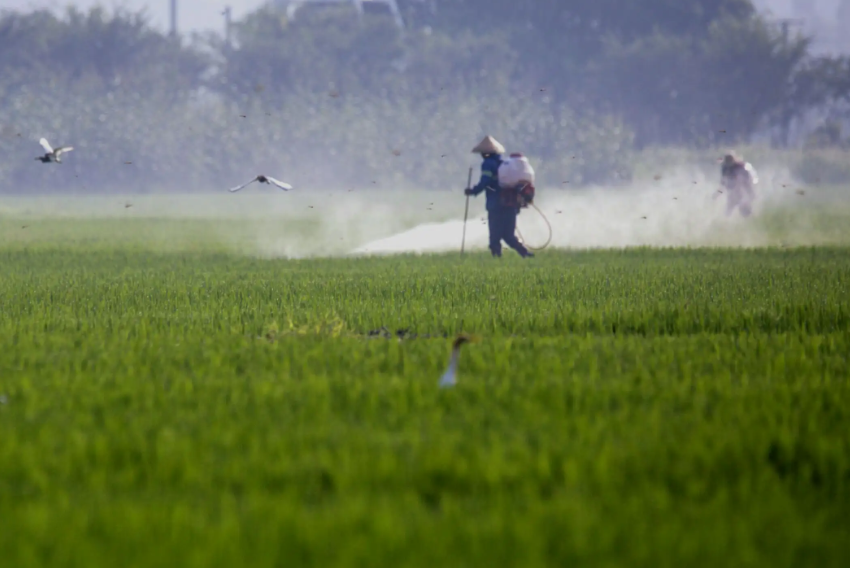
x: 449, y: 378
x: 264, y: 179
x: 52, y: 155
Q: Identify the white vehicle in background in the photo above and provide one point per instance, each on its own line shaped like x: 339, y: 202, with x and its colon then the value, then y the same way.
x: 291, y: 7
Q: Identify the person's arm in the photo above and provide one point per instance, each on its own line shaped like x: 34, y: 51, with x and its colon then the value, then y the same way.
x: 488, y: 177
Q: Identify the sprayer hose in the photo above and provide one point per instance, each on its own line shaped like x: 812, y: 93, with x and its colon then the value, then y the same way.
x: 548, y: 225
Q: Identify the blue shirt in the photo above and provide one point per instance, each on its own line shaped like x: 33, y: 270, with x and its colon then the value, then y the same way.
x: 489, y: 181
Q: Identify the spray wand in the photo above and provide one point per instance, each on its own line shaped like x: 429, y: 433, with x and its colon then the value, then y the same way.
x: 466, y: 212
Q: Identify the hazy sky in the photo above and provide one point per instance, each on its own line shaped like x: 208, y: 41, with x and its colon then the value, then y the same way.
x: 206, y: 14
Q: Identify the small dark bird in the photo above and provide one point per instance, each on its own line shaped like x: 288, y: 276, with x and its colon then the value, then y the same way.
x: 309, y: 207
x: 333, y: 94
x: 675, y: 198
x: 127, y: 205
x: 565, y: 182
x: 396, y: 153
x: 264, y: 179
x: 558, y: 212
x: 52, y: 155
x: 801, y: 192
x: 644, y: 217
x: 656, y: 177
x: 24, y: 226
x: 128, y: 163
x: 722, y: 131
x: 244, y: 115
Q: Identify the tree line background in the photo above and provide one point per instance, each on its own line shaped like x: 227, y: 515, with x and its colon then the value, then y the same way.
x: 332, y: 100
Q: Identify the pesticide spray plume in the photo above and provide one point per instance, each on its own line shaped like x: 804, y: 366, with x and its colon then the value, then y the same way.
x: 682, y: 208
x: 335, y: 222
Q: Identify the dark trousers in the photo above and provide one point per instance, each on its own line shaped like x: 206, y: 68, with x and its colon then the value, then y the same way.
x: 502, y: 223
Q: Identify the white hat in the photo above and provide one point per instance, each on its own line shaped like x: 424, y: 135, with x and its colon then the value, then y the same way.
x: 489, y: 146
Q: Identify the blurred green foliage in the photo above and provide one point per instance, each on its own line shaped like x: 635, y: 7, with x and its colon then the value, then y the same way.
x: 332, y: 99
x: 625, y: 407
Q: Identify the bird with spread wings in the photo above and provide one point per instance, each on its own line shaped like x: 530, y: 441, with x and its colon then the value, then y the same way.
x: 264, y: 179
x: 52, y: 155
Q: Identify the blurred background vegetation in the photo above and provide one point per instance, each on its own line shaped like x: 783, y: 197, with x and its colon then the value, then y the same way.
x: 330, y: 99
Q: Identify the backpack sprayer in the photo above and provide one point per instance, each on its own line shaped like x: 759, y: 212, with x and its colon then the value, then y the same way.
x: 516, y: 179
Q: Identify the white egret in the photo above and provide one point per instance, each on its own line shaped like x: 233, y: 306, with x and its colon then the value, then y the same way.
x: 449, y: 378
x: 51, y: 154
x: 264, y: 179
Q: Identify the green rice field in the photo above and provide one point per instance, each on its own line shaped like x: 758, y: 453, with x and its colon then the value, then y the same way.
x: 176, y: 402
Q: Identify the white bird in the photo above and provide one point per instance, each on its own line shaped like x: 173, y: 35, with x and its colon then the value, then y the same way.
x: 449, y: 378
x: 264, y: 179
x: 52, y: 155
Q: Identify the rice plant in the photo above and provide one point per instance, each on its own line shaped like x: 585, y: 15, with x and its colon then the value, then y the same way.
x: 646, y: 407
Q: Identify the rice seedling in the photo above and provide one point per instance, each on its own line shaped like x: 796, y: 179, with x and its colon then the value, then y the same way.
x: 640, y: 407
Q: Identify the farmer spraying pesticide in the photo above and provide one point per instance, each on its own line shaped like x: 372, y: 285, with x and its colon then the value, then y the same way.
x: 738, y: 179
x: 503, y: 202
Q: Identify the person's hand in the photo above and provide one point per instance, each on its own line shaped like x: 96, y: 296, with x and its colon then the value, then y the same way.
x: 467, y: 191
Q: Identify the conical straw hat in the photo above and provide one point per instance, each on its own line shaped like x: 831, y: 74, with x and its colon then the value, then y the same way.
x: 489, y: 146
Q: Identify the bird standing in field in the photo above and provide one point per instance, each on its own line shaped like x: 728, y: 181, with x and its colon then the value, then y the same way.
x: 449, y: 378
x: 51, y: 154
x: 264, y: 179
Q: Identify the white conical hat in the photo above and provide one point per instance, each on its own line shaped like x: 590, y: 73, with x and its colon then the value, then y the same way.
x: 489, y: 146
